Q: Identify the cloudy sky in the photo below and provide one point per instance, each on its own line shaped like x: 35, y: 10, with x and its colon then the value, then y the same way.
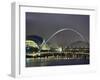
x: 45, y: 24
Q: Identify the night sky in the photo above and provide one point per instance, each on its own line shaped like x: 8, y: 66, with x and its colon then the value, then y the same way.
x: 45, y: 24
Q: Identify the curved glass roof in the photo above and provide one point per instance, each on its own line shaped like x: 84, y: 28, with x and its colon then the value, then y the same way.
x: 31, y: 43
x: 35, y: 38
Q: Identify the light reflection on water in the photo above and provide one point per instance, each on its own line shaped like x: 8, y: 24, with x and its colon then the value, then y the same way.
x: 33, y: 62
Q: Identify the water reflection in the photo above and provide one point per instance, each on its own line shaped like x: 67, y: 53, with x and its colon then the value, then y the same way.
x: 32, y: 62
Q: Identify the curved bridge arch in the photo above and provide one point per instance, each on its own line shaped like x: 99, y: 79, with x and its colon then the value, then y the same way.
x: 64, y: 29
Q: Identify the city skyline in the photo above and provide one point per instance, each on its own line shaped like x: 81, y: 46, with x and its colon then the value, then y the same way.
x: 56, y: 39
